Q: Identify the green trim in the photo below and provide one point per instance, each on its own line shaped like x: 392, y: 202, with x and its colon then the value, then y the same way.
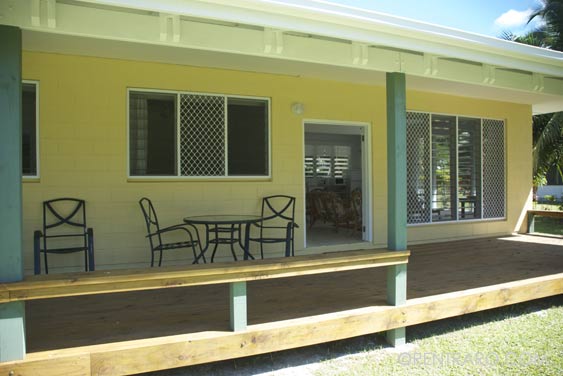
x: 12, y: 315
x: 12, y: 331
x: 11, y: 263
x: 238, y: 306
x: 396, y: 161
x: 397, y: 284
x: 396, y: 337
x: 397, y: 194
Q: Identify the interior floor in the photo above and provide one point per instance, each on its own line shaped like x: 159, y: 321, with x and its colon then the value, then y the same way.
x: 323, y: 234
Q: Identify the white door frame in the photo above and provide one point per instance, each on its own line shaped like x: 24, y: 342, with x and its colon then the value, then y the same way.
x: 367, y: 213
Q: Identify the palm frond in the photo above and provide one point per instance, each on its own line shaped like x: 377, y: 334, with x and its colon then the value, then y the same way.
x: 548, y: 144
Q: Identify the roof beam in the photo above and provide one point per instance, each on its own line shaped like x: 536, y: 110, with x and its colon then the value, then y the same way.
x: 358, y: 25
x: 351, y: 49
x: 169, y: 28
x: 43, y: 13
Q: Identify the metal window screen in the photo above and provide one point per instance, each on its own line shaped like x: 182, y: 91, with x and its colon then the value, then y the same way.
x: 202, y: 135
x: 493, y: 169
x: 418, y: 167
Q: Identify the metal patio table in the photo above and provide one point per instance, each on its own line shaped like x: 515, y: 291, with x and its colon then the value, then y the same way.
x: 224, y: 227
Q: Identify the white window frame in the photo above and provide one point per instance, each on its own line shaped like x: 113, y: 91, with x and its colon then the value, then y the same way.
x: 178, y: 151
x: 481, y: 119
x: 37, y: 159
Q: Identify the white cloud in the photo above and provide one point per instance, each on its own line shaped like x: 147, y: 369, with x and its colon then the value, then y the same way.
x: 513, y: 18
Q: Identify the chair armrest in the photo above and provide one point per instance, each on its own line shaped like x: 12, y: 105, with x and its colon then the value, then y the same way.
x: 180, y: 227
x: 289, y: 223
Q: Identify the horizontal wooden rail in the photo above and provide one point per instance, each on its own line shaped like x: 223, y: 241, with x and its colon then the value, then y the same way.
x: 547, y: 213
x: 110, y: 281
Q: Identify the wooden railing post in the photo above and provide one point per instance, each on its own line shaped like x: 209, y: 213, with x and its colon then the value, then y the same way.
x: 12, y: 314
x: 238, y: 306
x: 396, y: 194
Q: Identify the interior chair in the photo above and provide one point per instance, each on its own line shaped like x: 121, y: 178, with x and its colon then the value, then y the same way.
x: 315, y: 208
x: 356, y: 204
x: 64, y: 231
x: 278, y: 216
x: 340, y: 211
x: 155, y: 233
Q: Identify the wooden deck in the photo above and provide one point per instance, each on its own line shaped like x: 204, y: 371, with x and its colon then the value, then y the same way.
x: 140, y: 331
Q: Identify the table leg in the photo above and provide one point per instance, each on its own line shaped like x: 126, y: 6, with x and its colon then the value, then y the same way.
x: 232, y: 242
x: 247, y: 242
x: 204, y: 249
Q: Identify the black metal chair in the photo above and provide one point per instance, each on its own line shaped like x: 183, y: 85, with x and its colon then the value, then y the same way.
x: 155, y: 233
x: 278, y: 213
x: 64, y: 220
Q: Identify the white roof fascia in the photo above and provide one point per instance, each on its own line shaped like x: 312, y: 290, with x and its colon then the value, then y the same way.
x: 333, y: 20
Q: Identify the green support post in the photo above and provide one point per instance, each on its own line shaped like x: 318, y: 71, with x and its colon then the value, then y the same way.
x: 238, y: 306
x: 397, y: 194
x: 12, y: 315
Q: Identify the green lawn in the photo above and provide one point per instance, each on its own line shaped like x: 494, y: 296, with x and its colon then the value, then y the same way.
x: 522, y: 339
x: 526, y: 339
x: 545, y: 225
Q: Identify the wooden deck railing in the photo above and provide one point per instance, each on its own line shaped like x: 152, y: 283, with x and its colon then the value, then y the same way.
x: 532, y: 214
x: 236, y: 274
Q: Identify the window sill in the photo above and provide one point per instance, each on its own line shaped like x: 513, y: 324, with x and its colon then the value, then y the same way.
x: 460, y: 222
x: 173, y: 179
x: 31, y: 179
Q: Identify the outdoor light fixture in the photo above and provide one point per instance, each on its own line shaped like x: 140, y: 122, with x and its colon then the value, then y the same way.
x: 297, y: 108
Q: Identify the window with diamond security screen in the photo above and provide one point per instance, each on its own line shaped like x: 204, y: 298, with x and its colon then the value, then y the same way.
x: 455, y: 168
x: 198, y: 135
x: 202, y: 135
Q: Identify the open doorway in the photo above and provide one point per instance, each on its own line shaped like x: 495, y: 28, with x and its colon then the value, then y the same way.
x: 336, y: 183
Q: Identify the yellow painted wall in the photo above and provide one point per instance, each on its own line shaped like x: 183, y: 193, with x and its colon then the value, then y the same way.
x: 83, y: 150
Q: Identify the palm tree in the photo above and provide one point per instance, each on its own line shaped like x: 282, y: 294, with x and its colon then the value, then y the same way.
x: 551, y: 12
x: 547, y: 128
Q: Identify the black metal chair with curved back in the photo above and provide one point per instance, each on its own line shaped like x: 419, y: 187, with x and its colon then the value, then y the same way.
x: 64, y: 220
x: 280, y: 211
x: 155, y: 233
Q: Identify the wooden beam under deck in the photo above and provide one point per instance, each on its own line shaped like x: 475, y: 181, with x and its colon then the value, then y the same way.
x: 120, y: 333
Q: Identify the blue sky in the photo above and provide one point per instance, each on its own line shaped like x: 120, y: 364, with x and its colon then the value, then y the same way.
x: 489, y: 17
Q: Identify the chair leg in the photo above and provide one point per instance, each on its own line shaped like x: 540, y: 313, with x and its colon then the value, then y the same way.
x: 288, y: 241
x: 262, y: 250
x: 232, y: 243
x: 46, y: 265
x: 292, y: 244
x: 160, y: 259
x: 233, y: 252
x: 193, y: 249
x: 37, y: 252
x: 214, y: 250
x: 91, y: 260
x: 152, y: 258
x: 86, y: 260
